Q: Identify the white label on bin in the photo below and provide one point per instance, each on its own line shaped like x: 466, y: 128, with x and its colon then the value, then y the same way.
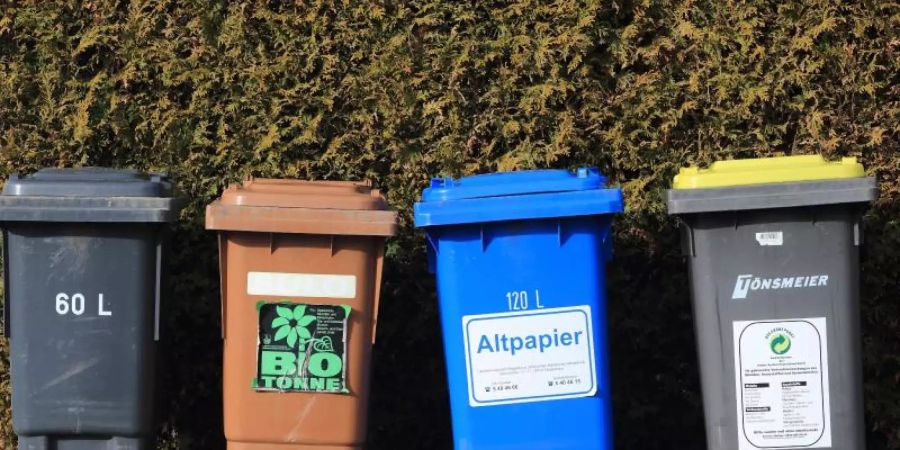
x: 280, y: 284
x: 529, y: 356
x: 770, y: 238
x: 781, y: 380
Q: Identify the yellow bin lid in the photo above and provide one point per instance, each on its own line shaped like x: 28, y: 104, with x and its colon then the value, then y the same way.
x: 783, y: 169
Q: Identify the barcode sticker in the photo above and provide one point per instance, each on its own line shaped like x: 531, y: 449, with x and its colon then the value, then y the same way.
x: 770, y: 238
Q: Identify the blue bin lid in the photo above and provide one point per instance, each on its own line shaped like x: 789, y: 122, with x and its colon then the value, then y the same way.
x: 533, y: 194
x: 91, y: 194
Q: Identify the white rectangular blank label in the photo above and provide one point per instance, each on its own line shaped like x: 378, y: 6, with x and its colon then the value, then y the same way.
x: 282, y: 284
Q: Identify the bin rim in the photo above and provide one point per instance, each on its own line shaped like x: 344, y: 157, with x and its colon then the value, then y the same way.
x: 90, y: 209
x: 89, y: 194
x: 772, y: 196
x: 519, y: 195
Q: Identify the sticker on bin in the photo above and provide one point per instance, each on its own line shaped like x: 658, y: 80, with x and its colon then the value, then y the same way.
x: 302, y: 348
x: 283, y: 284
x: 781, y: 380
x: 530, y: 356
x: 770, y: 239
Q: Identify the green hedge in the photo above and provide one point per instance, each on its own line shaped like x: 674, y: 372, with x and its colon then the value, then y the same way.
x: 399, y: 91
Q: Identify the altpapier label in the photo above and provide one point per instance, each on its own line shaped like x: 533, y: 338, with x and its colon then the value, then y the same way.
x: 530, y: 356
x: 781, y: 382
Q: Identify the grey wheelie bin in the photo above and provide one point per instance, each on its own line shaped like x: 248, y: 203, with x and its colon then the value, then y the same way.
x: 773, y: 251
x: 83, y: 251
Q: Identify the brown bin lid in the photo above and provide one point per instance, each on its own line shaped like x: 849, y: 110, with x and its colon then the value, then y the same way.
x: 298, y: 206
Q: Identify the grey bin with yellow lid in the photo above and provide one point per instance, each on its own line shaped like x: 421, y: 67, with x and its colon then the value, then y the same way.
x: 773, y: 253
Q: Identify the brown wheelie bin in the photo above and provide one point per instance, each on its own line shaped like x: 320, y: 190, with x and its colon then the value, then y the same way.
x: 301, y: 268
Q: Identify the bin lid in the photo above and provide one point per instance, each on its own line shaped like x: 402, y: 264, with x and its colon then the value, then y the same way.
x: 743, y: 172
x: 532, y: 194
x: 89, y: 194
x: 298, y: 206
x: 764, y: 183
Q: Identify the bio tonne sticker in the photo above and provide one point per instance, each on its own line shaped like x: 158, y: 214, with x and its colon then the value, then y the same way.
x: 302, y: 348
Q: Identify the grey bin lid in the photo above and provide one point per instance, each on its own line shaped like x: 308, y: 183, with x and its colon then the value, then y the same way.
x: 775, y: 195
x: 92, y: 194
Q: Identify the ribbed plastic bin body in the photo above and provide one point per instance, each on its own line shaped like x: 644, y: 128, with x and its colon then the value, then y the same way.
x: 301, y: 271
x: 520, y: 260
x: 83, y: 263
x: 774, y: 271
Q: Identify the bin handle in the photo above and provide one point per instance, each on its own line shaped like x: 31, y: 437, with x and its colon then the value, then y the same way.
x: 6, y: 327
x: 158, y: 295
x: 687, y: 238
x: 608, y: 244
x: 222, y: 278
x: 431, y: 249
x: 379, y: 266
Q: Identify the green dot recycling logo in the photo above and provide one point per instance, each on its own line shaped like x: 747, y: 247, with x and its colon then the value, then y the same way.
x: 780, y: 343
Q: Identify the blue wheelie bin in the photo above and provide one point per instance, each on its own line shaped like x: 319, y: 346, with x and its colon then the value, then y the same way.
x: 520, y: 259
